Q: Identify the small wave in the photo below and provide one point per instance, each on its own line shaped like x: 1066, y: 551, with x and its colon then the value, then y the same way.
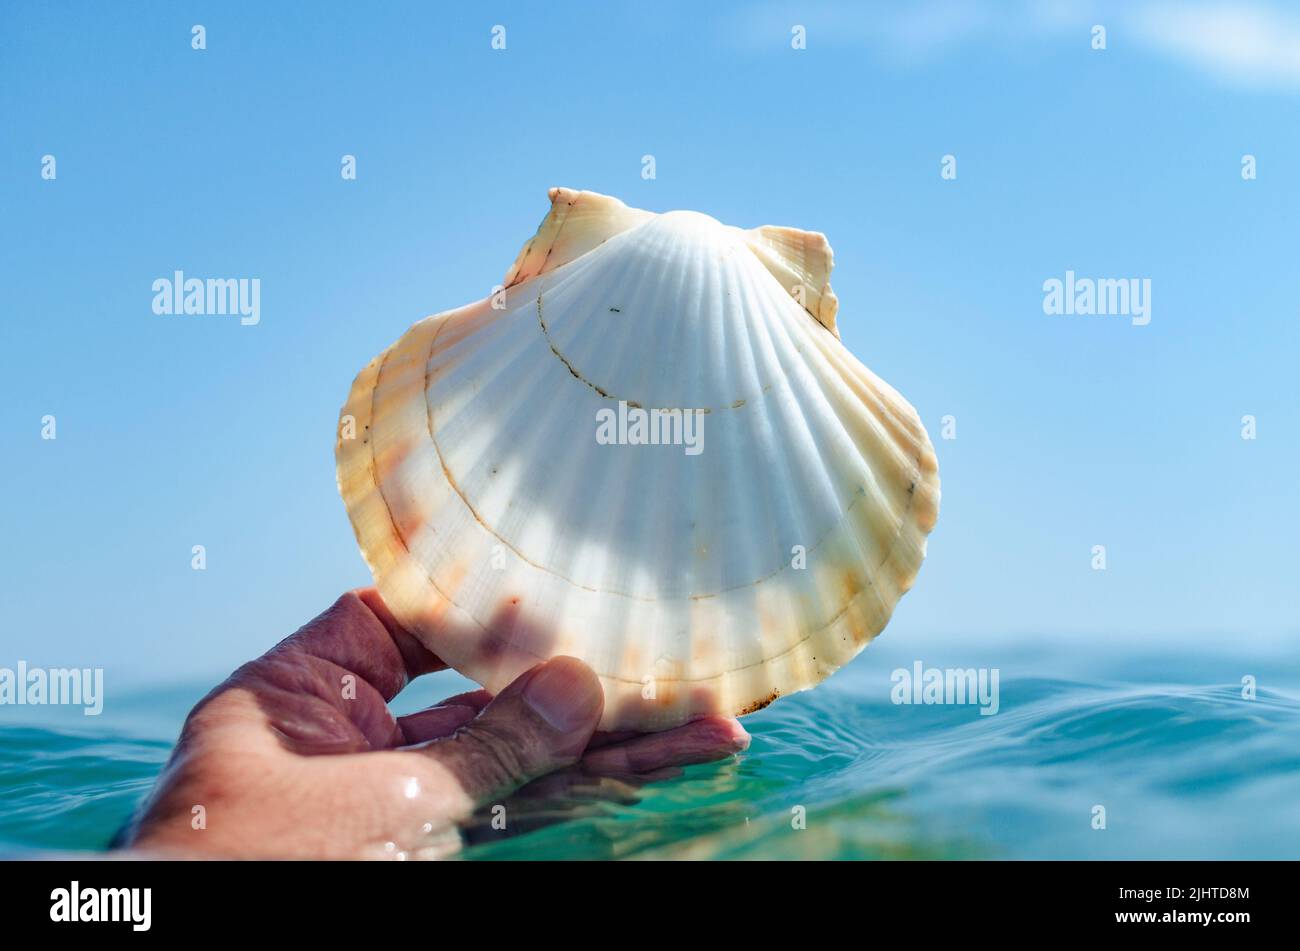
x: 1180, y: 770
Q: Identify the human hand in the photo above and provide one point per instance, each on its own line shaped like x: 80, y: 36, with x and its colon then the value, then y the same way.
x: 296, y: 755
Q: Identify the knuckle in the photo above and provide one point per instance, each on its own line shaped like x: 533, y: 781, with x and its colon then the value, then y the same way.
x: 492, y: 755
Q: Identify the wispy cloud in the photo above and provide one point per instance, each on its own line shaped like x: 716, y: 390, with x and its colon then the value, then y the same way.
x: 1250, y: 44
x: 1242, y: 44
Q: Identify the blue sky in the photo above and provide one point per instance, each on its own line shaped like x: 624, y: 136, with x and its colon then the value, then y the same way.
x: 1071, y: 431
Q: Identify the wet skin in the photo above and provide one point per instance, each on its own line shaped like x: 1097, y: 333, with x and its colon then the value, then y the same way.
x: 297, y: 755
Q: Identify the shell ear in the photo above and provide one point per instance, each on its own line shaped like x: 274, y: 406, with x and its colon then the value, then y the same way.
x: 802, y: 262
x: 577, y: 222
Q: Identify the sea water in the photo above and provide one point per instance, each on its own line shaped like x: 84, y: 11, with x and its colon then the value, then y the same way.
x: 1170, y: 753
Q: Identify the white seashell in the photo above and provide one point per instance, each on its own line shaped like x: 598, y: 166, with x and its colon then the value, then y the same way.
x: 502, y: 532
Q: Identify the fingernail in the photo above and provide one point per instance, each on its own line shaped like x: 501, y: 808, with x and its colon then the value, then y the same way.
x: 565, y: 693
x: 739, y: 736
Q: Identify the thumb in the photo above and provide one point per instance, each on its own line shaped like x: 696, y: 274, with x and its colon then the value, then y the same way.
x: 540, y: 723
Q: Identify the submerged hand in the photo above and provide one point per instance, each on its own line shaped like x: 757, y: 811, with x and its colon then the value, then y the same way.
x: 296, y: 755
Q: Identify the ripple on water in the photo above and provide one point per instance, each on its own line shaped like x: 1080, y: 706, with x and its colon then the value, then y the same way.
x: 1182, y: 771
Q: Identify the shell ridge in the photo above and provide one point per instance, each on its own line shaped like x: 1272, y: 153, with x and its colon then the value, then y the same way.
x: 807, y: 258
x: 377, y: 483
x: 591, y: 219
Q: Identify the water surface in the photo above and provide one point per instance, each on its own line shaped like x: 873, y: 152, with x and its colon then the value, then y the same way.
x: 1183, y: 764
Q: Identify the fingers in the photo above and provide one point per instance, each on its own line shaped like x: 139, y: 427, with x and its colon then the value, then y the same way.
x: 416, y: 658
x: 443, y: 718
x: 606, y: 738
x: 700, y: 741
x: 358, y: 633
x: 478, y: 699
x: 434, y: 723
x: 540, y: 723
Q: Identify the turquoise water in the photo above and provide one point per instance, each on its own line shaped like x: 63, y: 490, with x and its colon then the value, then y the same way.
x: 1184, y: 766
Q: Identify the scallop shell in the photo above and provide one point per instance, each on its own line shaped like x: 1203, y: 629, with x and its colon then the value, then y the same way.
x: 694, y: 577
